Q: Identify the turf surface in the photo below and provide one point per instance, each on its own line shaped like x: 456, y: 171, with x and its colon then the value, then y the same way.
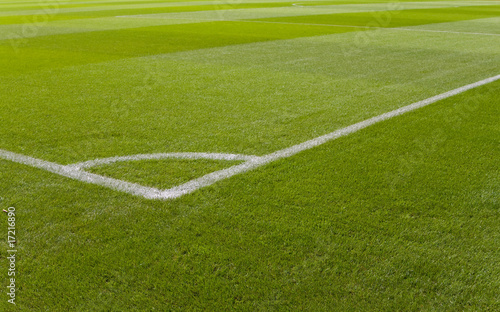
x: 402, y: 216
x: 161, y: 174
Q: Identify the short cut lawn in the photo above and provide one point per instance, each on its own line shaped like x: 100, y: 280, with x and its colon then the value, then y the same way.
x: 401, y: 216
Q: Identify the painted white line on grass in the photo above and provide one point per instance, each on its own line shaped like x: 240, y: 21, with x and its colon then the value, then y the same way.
x: 160, y: 156
x: 197, y: 20
x: 66, y: 171
x: 444, y: 31
x: 251, y: 162
x: 303, y: 5
x: 213, y: 177
x: 373, y: 27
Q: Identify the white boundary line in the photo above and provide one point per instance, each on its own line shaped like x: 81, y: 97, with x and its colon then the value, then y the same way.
x: 251, y: 162
x: 67, y: 171
x: 312, y: 24
x: 160, y: 156
x: 373, y: 27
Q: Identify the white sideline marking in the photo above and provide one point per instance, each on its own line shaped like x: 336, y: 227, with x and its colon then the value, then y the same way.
x: 251, y: 162
x: 381, y: 28
x: 67, y: 171
x: 445, y: 31
x: 312, y: 24
x: 159, y: 156
x: 373, y: 27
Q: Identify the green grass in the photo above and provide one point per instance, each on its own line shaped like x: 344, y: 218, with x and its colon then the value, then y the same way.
x: 398, y: 18
x: 92, y: 4
x: 92, y: 47
x: 56, y: 16
x: 161, y: 174
x: 141, y: 104
x: 401, y: 216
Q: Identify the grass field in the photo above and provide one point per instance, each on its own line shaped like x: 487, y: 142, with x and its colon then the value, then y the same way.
x: 171, y: 156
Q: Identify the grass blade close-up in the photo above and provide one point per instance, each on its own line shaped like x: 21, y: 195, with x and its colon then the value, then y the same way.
x: 253, y: 155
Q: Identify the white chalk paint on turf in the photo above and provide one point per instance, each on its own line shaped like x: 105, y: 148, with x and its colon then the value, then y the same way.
x: 198, y: 20
x: 372, y: 27
x: 76, y: 171
x: 234, y: 14
x: 80, y: 175
x: 160, y: 156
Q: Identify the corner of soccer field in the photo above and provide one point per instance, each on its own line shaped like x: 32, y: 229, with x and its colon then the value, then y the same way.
x: 258, y: 155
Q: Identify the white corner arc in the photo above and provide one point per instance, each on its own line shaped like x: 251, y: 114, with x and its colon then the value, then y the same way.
x: 76, y: 172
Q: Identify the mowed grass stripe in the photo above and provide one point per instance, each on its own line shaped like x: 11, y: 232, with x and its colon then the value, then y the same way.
x: 21, y: 6
x: 97, y: 4
x: 115, y: 6
x: 485, y: 25
x: 83, y: 48
x: 53, y: 15
x: 249, y: 99
x: 57, y: 14
x: 43, y: 27
x: 14, y: 6
x: 261, y: 13
x: 396, y: 18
